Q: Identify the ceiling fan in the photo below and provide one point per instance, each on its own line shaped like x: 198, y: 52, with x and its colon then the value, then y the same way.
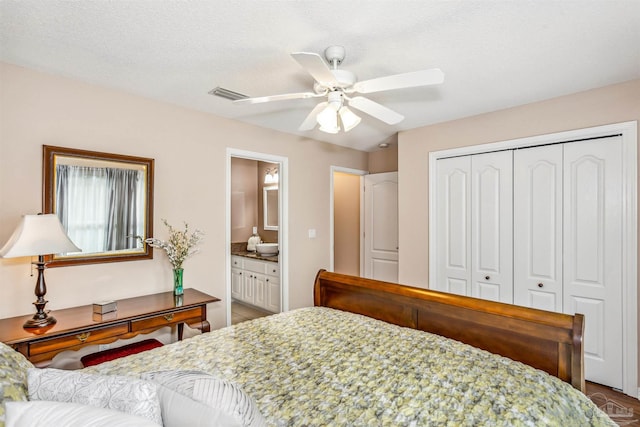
x: 338, y: 86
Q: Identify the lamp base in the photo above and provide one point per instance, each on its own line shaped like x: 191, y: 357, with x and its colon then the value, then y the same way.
x: 36, y: 322
x: 41, y: 318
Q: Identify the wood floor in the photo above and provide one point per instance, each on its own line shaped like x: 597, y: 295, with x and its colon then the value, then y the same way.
x: 623, y: 409
x: 242, y: 312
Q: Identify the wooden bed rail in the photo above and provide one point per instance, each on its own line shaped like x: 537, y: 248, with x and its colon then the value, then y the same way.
x: 545, y: 340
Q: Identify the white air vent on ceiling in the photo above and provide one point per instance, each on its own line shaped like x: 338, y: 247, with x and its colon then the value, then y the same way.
x: 226, y: 93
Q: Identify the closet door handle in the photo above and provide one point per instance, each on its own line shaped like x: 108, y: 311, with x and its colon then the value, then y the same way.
x: 487, y: 277
x: 540, y: 285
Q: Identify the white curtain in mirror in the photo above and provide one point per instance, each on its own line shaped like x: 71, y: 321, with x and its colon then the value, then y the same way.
x: 84, y: 200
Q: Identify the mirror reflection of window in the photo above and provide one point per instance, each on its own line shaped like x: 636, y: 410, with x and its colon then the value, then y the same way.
x: 104, y: 202
x: 84, y: 202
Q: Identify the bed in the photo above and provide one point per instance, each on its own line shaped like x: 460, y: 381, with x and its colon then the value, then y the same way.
x: 376, y: 353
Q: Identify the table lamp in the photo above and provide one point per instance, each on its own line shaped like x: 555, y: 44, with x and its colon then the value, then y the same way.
x: 38, y: 235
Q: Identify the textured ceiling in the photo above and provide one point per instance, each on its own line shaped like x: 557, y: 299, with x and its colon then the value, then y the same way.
x: 495, y: 54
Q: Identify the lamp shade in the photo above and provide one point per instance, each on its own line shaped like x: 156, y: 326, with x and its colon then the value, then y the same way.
x: 349, y: 119
x: 38, y: 235
x: 328, y: 120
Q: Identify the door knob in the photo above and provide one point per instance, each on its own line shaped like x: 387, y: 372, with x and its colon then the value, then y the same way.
x: 487, y: 277
x: 540, y: 285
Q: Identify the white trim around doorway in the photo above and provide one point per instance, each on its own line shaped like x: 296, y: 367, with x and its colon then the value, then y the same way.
x: 283, y: 221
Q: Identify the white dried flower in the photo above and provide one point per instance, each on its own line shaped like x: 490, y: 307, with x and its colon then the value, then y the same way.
x: 180, y: 245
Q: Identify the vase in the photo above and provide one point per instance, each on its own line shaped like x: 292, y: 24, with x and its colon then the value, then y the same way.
x: 178, y: 300
x: 177, y: 281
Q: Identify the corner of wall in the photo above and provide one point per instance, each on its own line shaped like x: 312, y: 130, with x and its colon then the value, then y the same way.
x: 383, y: 160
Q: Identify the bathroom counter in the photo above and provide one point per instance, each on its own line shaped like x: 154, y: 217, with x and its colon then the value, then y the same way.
x: 254, y: 255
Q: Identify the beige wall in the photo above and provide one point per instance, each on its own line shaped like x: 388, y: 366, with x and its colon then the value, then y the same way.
x: 244, y: 198
x: 189, y: 148
x: 384, y: 160
x: 247, y: 184
x: 346, y: 210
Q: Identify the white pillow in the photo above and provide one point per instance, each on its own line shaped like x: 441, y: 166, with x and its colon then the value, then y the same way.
x: 125, y: 394
x: 59, y: 414
x: 199, y: 399
x: 179, y: 410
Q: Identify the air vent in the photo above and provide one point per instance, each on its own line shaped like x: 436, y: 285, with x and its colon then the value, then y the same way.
x: 226, y: 93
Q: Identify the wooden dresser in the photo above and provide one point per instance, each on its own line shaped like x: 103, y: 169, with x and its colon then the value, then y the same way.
x: 77, y: 327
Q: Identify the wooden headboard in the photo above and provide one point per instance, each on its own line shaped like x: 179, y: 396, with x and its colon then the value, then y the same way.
x: 548, y: 341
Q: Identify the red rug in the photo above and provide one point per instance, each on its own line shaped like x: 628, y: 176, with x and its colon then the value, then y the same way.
x: 115, y: 353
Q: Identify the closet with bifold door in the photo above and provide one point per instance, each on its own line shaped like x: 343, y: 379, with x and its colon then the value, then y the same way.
x: 474, y: 226
x: 540, y: 227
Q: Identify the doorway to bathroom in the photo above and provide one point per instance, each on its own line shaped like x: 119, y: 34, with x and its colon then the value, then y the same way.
x: 256, y: 235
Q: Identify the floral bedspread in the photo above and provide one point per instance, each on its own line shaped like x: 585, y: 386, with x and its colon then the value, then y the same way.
x: 320, y: 367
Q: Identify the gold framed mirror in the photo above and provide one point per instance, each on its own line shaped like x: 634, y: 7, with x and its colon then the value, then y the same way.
x: 104, y: 202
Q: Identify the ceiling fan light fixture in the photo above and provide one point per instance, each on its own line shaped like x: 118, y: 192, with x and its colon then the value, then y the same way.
x: 328, y: 119
x: 348, y: 118
x: 329, y: 130
x: 339, y: 86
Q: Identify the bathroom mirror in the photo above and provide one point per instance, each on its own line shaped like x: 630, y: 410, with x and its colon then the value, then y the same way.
x: 270, y: 208
x: 104, y: 202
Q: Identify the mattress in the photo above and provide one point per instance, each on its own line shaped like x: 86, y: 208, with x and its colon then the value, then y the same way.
x: 318, y: 366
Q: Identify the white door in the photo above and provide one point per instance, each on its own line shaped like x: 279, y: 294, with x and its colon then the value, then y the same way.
x: 491, y: 226
x: 381, y: 226
x: 474, y: 226
x: 537, y: 227
x: 453, y: 228
x: 593, y: 215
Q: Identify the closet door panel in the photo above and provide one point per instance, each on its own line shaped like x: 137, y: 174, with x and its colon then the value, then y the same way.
x: 453, y: 256
x: 540, y: 300
x: 593, y: 251
x: 537, y: 210
x: 491, y: 225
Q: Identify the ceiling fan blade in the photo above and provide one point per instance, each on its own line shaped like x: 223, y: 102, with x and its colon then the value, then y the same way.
x: 319, y: 70
x: 283, y: 97
x: 376, y: 110
x: 433, y: 76
x: 310, y: 122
